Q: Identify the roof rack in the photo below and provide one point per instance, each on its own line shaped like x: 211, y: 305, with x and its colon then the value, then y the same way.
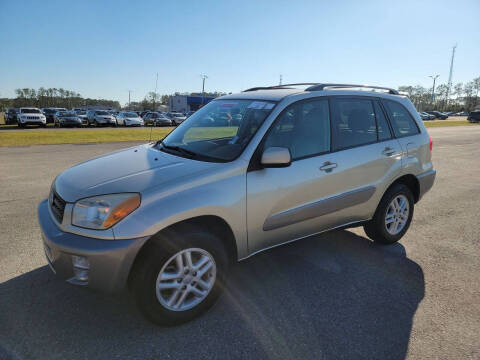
x: 276, y: 87
x: 320, y: 86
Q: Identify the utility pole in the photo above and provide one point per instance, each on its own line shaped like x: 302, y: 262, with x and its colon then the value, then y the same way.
x: 203, y: 76
x: 155, y: 93
x: 433, y: 88
x: 129, y: 91
x: 280, y: 80
x: 451, y: 72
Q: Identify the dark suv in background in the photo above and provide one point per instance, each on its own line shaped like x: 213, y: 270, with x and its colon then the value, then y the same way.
x: 11, y: 116
x: 50, y: 113
x: 474, y: 116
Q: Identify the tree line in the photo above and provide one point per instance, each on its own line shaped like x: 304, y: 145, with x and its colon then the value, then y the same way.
x: 52, y: 97
x: 460, y: 97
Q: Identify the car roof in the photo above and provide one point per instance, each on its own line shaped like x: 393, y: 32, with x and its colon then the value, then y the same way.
x: 278, y: 92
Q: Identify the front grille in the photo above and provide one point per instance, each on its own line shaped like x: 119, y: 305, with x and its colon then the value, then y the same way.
x: 57, y: 205
x: 33, y: 118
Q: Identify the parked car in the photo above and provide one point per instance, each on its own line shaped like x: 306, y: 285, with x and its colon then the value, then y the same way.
x: 176, y: 117
x: 100, y: 118
x: 426, y: 116
x: 129, y: 118
x: 143, y: 113
x: 50, y: 113
x: 168, y: 218
x: 11, y: 116
x: 462, y: 113
x: 474, y: 116
x: 82, y: 114
x: 30, y: 116
x: 67, y: 118
x: 438, y: 115
x: 157, y: 119
x: 189, y: 113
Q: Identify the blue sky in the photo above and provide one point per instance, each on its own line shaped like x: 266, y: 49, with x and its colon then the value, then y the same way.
x: 103, y: 48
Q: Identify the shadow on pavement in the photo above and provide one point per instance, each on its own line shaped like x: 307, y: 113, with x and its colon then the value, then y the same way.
x: 331, y: 296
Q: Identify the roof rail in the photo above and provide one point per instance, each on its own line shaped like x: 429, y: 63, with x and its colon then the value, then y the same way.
x: 318, y: 87
x: 276, y: 87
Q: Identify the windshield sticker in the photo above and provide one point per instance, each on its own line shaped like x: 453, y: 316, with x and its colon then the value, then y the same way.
x: 257, y: 105
x: 269, y: 106
x: 229, y: 105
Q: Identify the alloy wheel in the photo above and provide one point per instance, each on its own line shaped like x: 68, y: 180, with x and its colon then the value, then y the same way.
x: 186, y: 279
x: 397, y: 214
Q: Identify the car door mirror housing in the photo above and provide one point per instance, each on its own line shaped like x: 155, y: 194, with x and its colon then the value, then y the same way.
x: 276, y: 157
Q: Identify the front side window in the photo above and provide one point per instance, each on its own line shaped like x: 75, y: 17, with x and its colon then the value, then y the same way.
x: 303, y: 127
x: 402, y: 122
x: 353, y: 123
x: 219, y: 131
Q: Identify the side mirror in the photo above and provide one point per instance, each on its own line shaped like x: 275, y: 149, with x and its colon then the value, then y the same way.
x: 276, y: 157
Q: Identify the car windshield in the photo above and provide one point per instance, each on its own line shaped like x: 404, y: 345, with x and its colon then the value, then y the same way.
x: 30, y: 111
x: 81, y: 112
x: 130, y: 114
x: 66, y: 114
x: 219, y: 131
x: 102, y: 113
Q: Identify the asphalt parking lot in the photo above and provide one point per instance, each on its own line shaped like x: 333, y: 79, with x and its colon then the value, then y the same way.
x: 336, y: 295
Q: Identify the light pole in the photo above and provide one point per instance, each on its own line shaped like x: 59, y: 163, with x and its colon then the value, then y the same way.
x: 129, y: 91
x: 434, y: 77
x: 155, y: 93
x: 203, y: 76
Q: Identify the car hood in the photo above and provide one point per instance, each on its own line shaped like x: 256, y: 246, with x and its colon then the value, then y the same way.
x: 131, y: 170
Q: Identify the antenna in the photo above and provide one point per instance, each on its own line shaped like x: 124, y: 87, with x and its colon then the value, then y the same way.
x: 449, y: 85
x: 151, y: 130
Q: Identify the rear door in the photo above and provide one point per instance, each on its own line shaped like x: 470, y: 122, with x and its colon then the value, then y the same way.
x: 408, y: 134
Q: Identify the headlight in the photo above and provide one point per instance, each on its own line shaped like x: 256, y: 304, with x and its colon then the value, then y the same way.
x: 104, y: 211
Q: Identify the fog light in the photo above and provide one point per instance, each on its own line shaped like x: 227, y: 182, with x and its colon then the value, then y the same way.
x: 80, y: 262
x: 80, y: 267
x: 80, y: 274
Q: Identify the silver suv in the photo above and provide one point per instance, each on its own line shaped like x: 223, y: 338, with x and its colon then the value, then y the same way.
x: 243, y: 174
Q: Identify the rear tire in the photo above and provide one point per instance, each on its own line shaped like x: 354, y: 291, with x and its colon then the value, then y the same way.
x: 161, y: 257
x: 393, y: 215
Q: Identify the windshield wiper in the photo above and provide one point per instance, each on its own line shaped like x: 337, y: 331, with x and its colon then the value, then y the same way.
x: 178, y: 149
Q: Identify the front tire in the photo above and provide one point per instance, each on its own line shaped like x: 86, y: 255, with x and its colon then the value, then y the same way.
x: 393, y: 215
x: 180, y: 276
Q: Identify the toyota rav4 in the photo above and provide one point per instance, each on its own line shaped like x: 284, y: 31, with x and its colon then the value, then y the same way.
x: 166, y: 219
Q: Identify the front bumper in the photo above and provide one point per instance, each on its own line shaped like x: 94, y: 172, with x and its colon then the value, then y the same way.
x: 110, y: 260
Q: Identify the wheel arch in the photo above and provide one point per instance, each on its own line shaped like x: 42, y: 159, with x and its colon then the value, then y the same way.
x: 210, y: 223
x: 411, y: 182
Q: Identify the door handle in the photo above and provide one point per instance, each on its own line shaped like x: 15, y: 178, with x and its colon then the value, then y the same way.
x: 328, y: 166
x: 388, y: 151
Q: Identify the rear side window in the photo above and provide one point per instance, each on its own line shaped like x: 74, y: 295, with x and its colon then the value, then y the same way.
x: 353, y: 123
x: 402, y: 122
x: 384, y: 132
x: 304, y: 128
